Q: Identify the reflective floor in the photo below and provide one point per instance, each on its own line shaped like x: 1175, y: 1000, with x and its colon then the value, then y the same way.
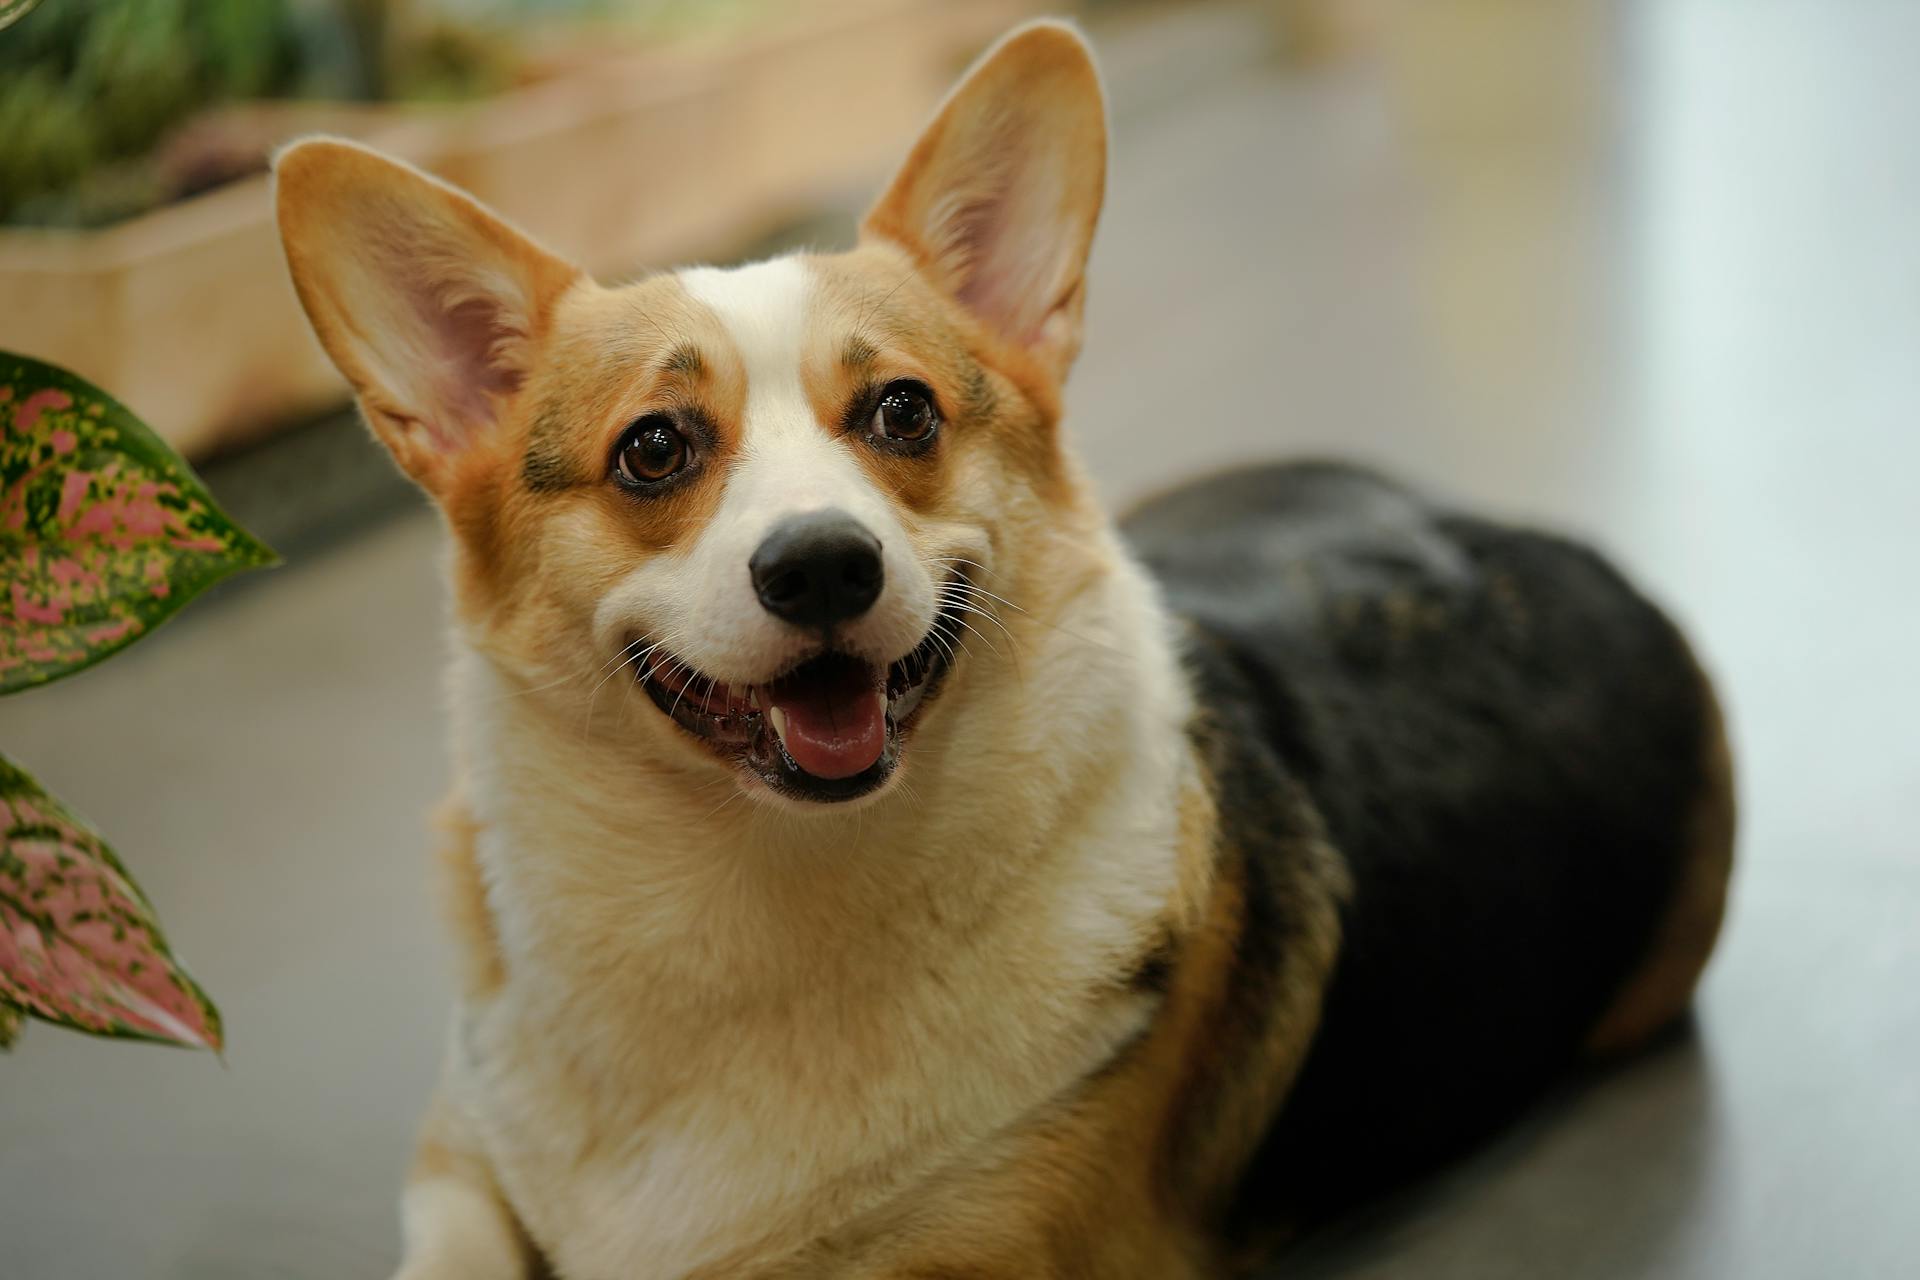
x: 1645, y: 271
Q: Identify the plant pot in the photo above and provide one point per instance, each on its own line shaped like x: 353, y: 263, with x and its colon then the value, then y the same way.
x: 619, y: 162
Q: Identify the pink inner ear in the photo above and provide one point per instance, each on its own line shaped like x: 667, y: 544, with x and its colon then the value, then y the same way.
x: 1018, y: 252
x: 474, y: 346
x: 448, y: 342
x: 1002, y: 227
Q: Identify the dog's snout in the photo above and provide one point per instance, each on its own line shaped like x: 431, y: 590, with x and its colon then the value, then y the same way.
x: 818, y: 570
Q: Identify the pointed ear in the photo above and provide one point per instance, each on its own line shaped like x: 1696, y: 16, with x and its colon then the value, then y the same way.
x: 998, y: 201
x: 431, y: 306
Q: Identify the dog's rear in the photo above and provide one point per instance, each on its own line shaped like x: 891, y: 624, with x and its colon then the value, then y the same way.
x: 1523, y: 770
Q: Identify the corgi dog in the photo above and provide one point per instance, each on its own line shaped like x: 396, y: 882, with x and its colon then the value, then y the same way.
x: 869, y: 859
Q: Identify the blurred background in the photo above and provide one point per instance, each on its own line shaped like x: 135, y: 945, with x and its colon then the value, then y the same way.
x: 1647, y: 271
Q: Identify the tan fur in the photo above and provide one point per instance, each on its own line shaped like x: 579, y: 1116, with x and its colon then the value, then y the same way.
x: 452, y: 253
x: 669, y: 998
x: 464, y: 903
x: 1659, y: 991
x: 1037, y: 100
x: 982, y: 932
x: 456, y: 1222
x: 703, y: 1032
x: 1124, y: 1176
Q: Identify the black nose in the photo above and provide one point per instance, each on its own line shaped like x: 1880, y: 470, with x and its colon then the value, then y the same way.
x: 818, y: 569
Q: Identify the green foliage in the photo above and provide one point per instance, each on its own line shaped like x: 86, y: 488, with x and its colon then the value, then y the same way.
x: 78, y: 942
x: 136, y: 71
x: 96, y: 95
x: 84, y: 83
x: 49, y: 141
x: 105, y: 533
x: 243, y: 47
x: 87, y: 87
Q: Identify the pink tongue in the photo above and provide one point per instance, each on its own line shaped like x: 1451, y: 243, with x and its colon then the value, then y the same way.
x: 836, y: 720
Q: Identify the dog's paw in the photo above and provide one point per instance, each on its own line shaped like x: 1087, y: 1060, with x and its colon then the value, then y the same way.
x: 448, y: 1266
x: 458, y: 1231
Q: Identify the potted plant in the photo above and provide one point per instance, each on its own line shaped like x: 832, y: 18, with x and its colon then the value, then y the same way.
x: 105, y: 533
x: 657, y: 139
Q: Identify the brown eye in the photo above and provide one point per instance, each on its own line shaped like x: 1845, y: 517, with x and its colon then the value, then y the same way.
x: 905, y: 413
x: 652, y: 450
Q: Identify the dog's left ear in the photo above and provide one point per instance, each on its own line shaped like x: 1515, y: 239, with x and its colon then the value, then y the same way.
x: 999, y: 198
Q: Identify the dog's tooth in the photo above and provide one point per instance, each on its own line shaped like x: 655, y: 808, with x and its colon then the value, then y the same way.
x: 753, y: 696
x: 778, y: 719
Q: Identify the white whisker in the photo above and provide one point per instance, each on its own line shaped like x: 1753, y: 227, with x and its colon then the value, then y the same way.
x: 632, y: 659
x: 946, y: 646
x: 686, y: 680
x: 975, y: 588
x: 984, y: 638
x: 728, y: 799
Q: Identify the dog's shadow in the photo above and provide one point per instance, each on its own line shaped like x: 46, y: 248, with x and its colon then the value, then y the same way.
x: 1628, y: 1147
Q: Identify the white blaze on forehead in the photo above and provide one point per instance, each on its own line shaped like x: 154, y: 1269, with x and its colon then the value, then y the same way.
x: 764, y: 308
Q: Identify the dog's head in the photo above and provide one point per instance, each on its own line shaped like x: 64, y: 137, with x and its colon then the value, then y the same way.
x: 772, y: 501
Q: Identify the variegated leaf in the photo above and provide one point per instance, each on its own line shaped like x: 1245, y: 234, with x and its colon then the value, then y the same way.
x: 104, y: 531
x: 78, y: 941
x: 9, y: 1025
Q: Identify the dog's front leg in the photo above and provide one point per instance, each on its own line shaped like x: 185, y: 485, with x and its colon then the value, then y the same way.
x: 454, y: 1221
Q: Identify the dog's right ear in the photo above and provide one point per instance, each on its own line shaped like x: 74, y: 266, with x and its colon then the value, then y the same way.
x: 431, y: 306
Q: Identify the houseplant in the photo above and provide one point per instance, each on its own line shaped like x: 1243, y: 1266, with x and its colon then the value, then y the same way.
x: 618, y: 148
x: 104, y: 534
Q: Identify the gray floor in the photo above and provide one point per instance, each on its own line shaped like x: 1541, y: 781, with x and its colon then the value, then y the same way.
x: 1649, y: 272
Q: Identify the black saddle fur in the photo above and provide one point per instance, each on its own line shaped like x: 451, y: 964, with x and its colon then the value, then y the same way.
x: 1503, y: 741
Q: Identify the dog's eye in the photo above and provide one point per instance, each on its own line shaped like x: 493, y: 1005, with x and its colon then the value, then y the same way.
x: 652, y: 450
x: 905, y: 413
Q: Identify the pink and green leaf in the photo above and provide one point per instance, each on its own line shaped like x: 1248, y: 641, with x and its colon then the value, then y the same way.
x: 10, y: 1018
x: 105, y: 532
x: 79, y: 944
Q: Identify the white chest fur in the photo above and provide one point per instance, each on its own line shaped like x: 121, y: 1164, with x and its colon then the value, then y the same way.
x: 721, y: 1036
x: 679, y: 1139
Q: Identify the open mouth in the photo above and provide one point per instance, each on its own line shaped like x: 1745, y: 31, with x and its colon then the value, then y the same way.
x: 830, y: 729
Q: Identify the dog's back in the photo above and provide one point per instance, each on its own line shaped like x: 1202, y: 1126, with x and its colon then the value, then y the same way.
x: 1516, y: 758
